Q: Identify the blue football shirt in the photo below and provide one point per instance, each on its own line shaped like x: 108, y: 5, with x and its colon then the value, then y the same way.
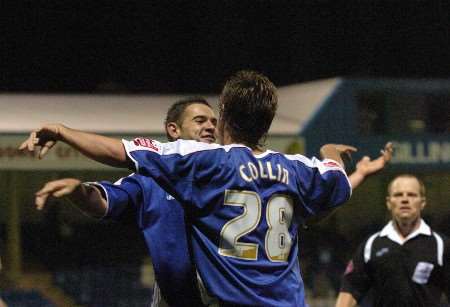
x: 246, y: 212
x: 162, y: 222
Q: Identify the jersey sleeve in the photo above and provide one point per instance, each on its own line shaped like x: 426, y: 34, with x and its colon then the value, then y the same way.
x: 175, y: 166
x: 355, y: 279
x: 324, y: 184
x: 121, y: 196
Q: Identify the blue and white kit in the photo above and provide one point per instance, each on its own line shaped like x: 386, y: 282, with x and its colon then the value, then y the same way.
x: 162, y: 222
x: 246, y: 210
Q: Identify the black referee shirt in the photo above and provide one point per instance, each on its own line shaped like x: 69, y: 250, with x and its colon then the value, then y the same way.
x: 413, y: 272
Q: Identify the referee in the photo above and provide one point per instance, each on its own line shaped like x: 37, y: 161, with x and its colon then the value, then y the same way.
x: 406, y: 263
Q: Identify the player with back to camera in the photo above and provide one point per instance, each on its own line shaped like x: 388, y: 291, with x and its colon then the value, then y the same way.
x: 246, y: 203
x: 406, y: 263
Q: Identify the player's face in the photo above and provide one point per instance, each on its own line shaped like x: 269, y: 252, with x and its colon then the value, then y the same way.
x: 404, y: 200
x: 198, y: 123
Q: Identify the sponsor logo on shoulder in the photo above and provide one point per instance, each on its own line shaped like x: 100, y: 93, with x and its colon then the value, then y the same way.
x: 148, y: 143
x: 331, y: 164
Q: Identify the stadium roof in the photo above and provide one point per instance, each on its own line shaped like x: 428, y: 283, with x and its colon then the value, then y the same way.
x: 131, y: 114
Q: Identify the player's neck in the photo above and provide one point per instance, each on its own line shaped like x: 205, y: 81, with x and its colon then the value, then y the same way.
x: 227, y: 139
x: 258, y: 150
x: 405, y: 228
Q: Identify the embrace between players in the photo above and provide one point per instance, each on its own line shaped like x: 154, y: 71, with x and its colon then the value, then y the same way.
x: 245, y: 203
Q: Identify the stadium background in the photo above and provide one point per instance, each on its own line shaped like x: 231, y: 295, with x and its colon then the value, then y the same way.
x: 385, y: 67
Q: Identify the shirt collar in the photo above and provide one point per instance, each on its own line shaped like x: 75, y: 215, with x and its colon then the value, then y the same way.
x: 390, y: 231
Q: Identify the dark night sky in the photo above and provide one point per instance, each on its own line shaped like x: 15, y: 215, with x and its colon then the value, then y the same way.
x: 192, y: 46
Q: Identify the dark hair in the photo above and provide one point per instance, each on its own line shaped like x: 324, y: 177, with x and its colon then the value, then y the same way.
x: 176, y: 111
x: 247, y: 107
x: 421, y: 185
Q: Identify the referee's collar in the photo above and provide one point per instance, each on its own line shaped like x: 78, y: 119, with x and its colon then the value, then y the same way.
x: 390, y: 231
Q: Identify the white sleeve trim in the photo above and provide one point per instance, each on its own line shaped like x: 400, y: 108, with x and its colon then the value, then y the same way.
x: 180, y: 147
x: 128, y: 145
x: 323, y: 166
x: 440, y: 248
x: 368, y: 247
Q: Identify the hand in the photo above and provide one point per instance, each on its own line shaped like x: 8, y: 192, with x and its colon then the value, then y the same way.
x: 366, y: 167
x: 56, y: 188
x: 345, y: 149
x: 337, y: 152
x: 44, y: 137
x: 339, y: 149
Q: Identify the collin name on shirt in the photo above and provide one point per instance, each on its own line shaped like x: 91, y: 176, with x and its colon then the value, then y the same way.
x: 250, y: 172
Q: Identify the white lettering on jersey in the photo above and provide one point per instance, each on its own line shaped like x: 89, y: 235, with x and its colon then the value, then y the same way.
x: 422, y: 272
x: 250, y: 172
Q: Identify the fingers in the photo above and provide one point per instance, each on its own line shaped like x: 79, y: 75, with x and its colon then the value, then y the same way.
x: 351, y: 148
x: 42, y: 195
x: 40, y: 200
x: 387, y: 152
x: 32, y: 141
x: 38, y: 138
x: 49, y: 187
x: 55, y: 188
x: 24, y: 144
x: 47, y: 146
x: 346, y: 152
x: 29, y: 142
x: 389, y: 148
x: 345, y: 148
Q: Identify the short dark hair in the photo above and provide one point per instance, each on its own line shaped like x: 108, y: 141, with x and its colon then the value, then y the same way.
x: 421, y: 185
x: 176, y: 111
x: 248, y: 104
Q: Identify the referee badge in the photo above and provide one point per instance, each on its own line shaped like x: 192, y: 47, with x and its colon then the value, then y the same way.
x: 422, y: 272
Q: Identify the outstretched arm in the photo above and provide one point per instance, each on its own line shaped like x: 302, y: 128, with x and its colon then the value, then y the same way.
x: 345, y: 299
x: 366, y: 166
x: 102, y: 149
x: 336, y: 151
x: 85, y: 197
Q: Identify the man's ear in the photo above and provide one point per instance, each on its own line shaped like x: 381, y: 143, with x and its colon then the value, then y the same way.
x: 424, y: 203
x: 173, y: 130
x: 388, y: 203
